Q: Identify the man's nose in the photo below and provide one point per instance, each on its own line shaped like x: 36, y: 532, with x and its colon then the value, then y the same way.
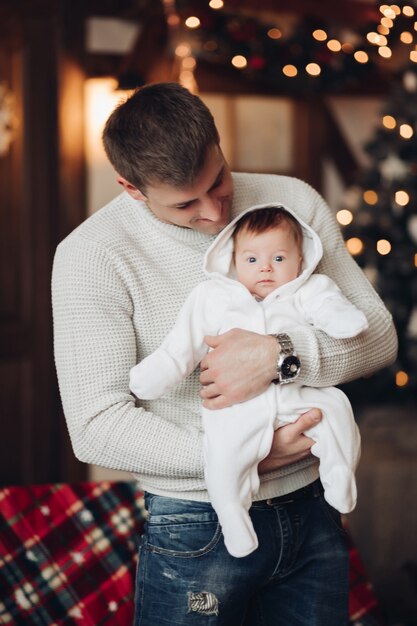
x: 210, y: 208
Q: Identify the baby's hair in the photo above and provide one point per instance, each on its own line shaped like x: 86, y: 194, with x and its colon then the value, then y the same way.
x: 262, y: 220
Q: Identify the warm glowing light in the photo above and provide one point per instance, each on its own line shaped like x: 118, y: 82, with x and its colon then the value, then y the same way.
x: 389, y: 13
x: 406, y: 37
x: 313, y: 69
x: 290, y: 71
x: 389, y: 122
x: 189, y: 63
x: 406, y: 131
x: 192, y: 22
x: 344, y: 217
x: 408, y: 11
x: 402, y: 198
x: 347, y: 47
x: 387, y: 21
x: 354, y: 245
x: 377, y: 40
x: 274, y: 33
x: 383, y: 7
x: 334, y: 45
x: 385, y: 52
x: 413, y: 56
x: 183, y: 50
x: 396, y: 9
x: 401, y: 378
x: 173, y: 20
x: 383, y: 30
x: 383, y: 246
x: 320, y: 35
x: 370, y: 196
x: 216, y: 4
x: 239, y: 61
x: 361, y: 56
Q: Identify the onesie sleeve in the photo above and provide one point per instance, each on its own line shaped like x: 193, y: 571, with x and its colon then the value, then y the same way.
x: 327, y: 361
x: 326, y: 308
x: 179, y: 354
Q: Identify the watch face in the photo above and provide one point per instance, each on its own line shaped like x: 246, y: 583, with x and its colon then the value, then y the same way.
x: 290, y: 367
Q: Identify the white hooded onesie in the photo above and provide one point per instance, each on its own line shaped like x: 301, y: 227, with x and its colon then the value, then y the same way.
x: 238, y: 437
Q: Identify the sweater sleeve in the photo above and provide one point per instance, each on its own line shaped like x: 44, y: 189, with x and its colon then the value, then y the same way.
x: 325, y: 307
x: 95, y: 348
x: 327, y: 361
x: 179, y: 354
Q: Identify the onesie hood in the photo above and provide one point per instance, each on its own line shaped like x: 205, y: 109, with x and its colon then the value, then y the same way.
x: 218, y: 259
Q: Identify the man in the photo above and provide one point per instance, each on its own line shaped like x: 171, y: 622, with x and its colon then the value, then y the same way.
x: 118, y: 283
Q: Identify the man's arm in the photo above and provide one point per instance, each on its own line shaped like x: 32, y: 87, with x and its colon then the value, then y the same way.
x: 95, y: 348
x: 242, y: 364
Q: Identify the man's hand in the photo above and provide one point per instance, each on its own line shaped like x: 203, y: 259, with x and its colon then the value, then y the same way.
x: 290, y: 444
x: 240, y: 366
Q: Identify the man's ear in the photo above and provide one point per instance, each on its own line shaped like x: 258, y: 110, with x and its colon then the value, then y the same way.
x: 131, y: 189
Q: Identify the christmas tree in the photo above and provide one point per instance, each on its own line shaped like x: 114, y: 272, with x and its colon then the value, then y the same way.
x: 380, y: 217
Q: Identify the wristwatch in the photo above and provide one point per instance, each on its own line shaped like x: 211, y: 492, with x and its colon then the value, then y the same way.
x: 288, y: 363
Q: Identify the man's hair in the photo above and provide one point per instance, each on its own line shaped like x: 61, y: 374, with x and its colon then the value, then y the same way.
x: 161, y: 133
x: 262, y: 220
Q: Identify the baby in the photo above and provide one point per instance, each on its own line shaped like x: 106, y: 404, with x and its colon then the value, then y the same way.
x: 260, y: 278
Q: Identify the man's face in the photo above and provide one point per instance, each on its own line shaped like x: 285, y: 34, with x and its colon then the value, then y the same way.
x: 204, y: 205
x: 265, y: 261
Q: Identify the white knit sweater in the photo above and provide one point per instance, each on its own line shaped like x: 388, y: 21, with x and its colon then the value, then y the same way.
x: 118, y: 283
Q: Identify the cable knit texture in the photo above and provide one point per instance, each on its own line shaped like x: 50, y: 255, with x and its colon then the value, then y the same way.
x: 119, y: 281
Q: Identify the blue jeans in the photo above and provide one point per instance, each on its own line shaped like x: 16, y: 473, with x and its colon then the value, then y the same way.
x: 297, y: 577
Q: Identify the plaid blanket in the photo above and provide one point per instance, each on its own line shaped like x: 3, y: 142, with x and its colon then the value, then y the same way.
x: 68, y: 556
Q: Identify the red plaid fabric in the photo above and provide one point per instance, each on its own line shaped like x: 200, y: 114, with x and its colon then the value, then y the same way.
x: 68, y: 556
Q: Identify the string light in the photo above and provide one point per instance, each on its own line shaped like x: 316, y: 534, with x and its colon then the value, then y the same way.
x: 216, y: 4
x: 192, y: 22
x: 383, y: 30
x: 334, y: 45
x: 313, y: 69
x: 406, y: 37
x: 408, y: 11
x: 389, y: 122
x: 370, y: 196
x: 383, y: 246
x: 239, y: 61
x: 401, y: 378
x: 385, y: 52
x: 387, y: 22
x: 183, y: 50
x: 402, y: 198
x: 361, y: 56
x: 396, y: 9
x: 320, y: 35
x: 406, y: 131
x: 354, y: 245
x: 274, y: 33
x: 413, y: 56
x: 290, y: 70
x: 344, y: 217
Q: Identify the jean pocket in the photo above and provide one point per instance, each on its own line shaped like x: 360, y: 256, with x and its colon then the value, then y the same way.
x: 182, y: 535
x: 333, y: 516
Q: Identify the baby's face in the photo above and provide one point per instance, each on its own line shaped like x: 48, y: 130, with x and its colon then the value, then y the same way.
x: 265, y: 261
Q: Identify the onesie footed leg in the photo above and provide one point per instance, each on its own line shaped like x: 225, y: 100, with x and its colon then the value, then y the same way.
x: 239, y: 536
x: 340, y: 489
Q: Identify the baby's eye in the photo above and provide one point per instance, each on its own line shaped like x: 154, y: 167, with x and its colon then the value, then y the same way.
x: 279, y: 259
x: 251, y: 259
